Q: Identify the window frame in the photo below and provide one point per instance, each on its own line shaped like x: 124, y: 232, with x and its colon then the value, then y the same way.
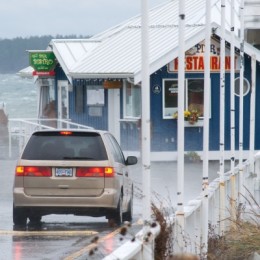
x: 186, y: 101
x: 248, y: 86
x: 125, y: 109
x: 172, y: 109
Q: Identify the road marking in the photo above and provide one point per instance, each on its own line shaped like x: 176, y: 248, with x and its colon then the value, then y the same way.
x: 47, y: 233
x: 86, y: 249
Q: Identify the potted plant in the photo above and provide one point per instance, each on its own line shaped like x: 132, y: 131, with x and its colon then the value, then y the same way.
x: 191, y: 116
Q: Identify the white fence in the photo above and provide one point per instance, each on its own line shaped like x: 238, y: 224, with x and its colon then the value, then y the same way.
x: 237, y: 185
x: 21, y: 129
x: 142, y: 247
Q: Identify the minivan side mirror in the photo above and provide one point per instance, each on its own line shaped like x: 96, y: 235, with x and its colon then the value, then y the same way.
x: 131, y: 160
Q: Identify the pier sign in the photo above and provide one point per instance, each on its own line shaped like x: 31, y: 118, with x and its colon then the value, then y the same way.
x: 43, y: 62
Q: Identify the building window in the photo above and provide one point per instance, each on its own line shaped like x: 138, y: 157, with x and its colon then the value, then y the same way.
x: 246, y: 87
x: 194, y: 96
x: 95, y: 95
x: 132, y: 100
x: 170, y: 98
x: 79, y: 99
x: 47, y: 102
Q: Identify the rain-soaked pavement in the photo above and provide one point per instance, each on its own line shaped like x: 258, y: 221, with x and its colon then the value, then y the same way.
x: 70, y: 237
x: 58, y: 236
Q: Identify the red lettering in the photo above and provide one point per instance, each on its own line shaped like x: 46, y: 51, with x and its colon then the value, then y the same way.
x: 214, y: 63
x: 196, y: 63
x: 201, y: 63
x: 176, y: 64
x: 195, y: 60
x: 189, y: 63
x: 227, y: 63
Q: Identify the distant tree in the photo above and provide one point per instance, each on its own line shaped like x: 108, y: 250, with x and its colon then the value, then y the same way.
x: 13, y: 52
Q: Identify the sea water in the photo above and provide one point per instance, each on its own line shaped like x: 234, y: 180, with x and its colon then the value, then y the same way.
x: 19, y: 96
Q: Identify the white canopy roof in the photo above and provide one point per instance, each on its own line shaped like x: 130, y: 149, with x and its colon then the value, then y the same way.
x: 116, y: 53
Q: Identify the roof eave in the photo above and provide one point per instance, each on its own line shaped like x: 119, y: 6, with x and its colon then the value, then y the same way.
x: 60, y: 60
x: 79, y: 75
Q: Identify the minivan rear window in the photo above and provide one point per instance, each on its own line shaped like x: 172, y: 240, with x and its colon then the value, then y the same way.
x: 65, y: 146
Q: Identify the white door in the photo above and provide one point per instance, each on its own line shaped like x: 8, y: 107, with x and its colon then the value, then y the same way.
x: 63, y: 99
x: 114, y: 112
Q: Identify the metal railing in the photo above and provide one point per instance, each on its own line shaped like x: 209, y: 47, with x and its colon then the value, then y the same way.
x: 20, y: 129
x: 142, y: 247
x: 237, y: 183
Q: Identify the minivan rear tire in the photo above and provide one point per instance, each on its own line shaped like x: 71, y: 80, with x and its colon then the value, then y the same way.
x: 19, y: 216
x: 117, y: 217
x: 35, y: 219
x: 128, y: 215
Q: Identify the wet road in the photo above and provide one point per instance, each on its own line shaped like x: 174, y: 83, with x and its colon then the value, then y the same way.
x: 58, y: 237
x: 70, y: 237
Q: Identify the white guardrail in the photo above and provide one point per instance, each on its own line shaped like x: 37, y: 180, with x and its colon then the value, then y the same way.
x: 21, y: 129
x: 241, y: 181
x: 142, y: 247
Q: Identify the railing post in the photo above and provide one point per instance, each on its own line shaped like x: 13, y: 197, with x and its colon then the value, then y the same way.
x: 257, y: 172
x: 233, y: 200
x: 10, y: 140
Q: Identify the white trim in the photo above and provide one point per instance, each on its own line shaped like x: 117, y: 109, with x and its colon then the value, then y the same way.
x: 199, y: 123
x: 82, y: 75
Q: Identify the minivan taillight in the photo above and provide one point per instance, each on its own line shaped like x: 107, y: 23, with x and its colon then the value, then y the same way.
x: 95, y: 172
x: 33, y: 171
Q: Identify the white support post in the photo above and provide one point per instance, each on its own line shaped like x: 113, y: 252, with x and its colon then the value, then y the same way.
x: 252, y: 113
x: 180, y: 165
x: 207, y: 85
x: 232, y: 88
x: 233, y: 198
x: 241, y: 101
x: 257, y: 171
x: 145, y: 122
x: 222, y: 118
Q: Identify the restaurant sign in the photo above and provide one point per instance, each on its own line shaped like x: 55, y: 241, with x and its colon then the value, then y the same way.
x: 43, y: 62
x: 194, y: 59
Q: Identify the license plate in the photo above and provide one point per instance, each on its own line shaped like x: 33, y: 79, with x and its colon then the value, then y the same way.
x: 63, y: 172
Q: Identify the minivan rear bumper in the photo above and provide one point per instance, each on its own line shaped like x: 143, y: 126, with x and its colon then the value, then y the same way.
x: 108, y: 199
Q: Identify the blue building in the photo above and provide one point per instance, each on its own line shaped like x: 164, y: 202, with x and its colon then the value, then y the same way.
x: 97, y: 81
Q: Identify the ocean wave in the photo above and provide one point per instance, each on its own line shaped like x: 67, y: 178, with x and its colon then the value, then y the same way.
x: 19, y: 95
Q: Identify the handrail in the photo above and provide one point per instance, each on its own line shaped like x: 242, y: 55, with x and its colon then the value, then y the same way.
x: 138, y: 248
x: 22, y: 128
x: 193, y: 214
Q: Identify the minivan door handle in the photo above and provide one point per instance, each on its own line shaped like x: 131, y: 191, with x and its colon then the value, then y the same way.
x: 63, y: 186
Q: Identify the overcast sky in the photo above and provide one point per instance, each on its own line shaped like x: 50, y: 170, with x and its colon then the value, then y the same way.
x: 24, y: 18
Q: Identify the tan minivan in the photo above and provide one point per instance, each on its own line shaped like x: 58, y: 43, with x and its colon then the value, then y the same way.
x: 80, y: 172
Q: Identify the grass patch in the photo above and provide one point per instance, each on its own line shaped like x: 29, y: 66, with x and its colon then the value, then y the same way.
x: 243, y: 240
